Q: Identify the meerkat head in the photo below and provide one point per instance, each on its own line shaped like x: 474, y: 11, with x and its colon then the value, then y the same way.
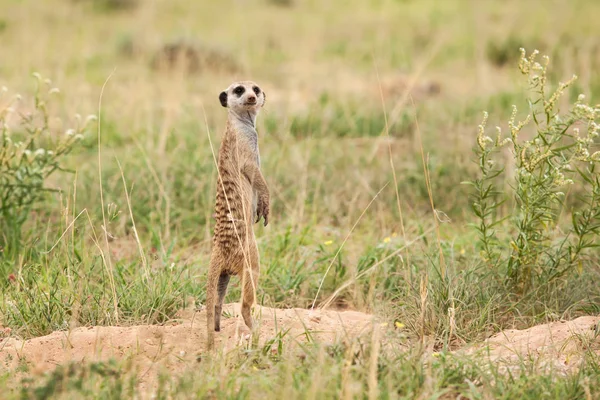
x: 243, y: 96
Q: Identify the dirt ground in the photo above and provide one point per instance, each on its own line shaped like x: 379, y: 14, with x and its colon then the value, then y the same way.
x: 559, y: 346
x: 177, y: 345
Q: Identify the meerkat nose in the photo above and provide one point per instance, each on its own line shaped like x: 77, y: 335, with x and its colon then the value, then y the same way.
x: 251, y: 99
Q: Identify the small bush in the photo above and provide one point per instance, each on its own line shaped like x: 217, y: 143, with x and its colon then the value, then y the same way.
x: 502, y: 52
x: 112, y: 5
x: 192, y: 58
x: 30, y: 151
x: 558, y: 158
x: 282, y: 3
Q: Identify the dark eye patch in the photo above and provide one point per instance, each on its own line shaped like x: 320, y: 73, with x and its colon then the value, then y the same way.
x: 239, y: 90
x: 256, y: 90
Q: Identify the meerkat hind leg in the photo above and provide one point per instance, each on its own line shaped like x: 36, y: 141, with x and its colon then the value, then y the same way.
x: 221, y: 290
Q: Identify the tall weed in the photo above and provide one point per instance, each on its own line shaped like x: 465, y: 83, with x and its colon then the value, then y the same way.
x: 31, y: 149
x: 535, y: 246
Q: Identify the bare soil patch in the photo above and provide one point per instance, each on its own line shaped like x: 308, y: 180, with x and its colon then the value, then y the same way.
x: 560, y: 346
x: 176, y: 346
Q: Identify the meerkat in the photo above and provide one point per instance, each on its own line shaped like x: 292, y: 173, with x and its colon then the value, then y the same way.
x: 242, y: 200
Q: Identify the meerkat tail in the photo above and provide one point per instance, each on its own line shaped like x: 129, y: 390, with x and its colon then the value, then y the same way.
x: 211, y: 296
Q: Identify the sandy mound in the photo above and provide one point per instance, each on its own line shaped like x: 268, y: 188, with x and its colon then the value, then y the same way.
x: 178, y: 344
x: 559, y: 346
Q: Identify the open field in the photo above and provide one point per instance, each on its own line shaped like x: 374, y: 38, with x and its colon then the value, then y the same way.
x: 368, y: 139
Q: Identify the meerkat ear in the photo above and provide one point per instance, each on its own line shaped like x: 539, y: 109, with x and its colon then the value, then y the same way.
x: 223, y: 99
x: 264, y: 98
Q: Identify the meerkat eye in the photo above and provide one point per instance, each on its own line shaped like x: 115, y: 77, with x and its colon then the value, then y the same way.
x: 256, y: 90
x: 239, y: 90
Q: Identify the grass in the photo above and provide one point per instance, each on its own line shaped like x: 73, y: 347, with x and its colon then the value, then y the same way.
x: 325, y: 155
x: 405, y: 374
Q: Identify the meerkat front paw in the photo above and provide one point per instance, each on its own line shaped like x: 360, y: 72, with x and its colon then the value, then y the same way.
x: 262, y: 210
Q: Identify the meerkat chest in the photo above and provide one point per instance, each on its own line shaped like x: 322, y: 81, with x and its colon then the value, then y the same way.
x: 250, y: 140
